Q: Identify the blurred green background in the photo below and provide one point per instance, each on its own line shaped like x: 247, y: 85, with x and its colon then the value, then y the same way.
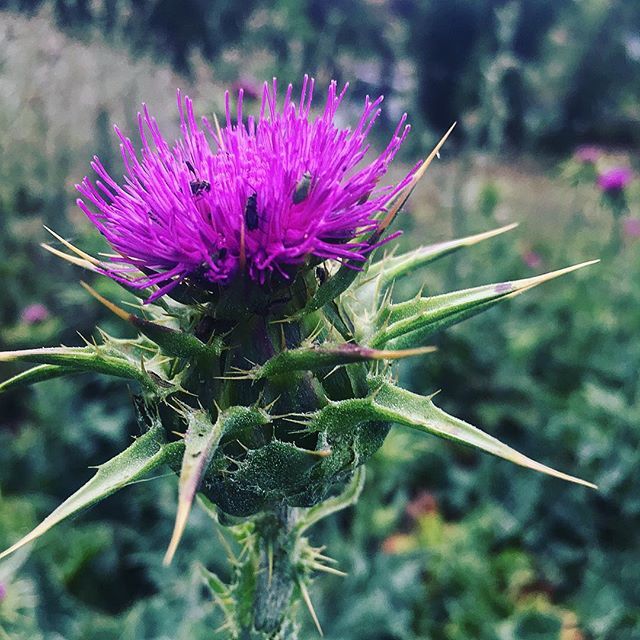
x: 446, y: 543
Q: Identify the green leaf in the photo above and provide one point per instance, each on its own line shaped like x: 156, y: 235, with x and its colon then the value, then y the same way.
x: 326, y: 356
x: 173, y: 343
x: 37, y: 374
x: 90, y: 358
x: 200, y: 442
x: 145, y: 454
x: 178, y: 344
x: 389, y: 403
x: 408, y: 323
x: 418, y: 412
x: 392, y: 268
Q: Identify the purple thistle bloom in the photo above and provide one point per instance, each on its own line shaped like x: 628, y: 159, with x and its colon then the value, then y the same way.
x: 615, y: 180
x: 261, y: 195
x: 532, y: 259
x: 3, y: 592
x: 588, y: 154
x: 34, y: 313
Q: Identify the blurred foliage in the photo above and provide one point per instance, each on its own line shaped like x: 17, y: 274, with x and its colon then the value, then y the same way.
x: 489, y: 551
x: 540, y: 73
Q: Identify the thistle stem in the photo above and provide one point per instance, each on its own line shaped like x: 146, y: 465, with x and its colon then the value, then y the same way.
x: 276, y: 572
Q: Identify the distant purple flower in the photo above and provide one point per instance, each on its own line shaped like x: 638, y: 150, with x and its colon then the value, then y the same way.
x: 588, y: 154
x: 631, y: 227
x: 532, y: 259
x: 615, y: 180
x: 3, y: 592
x: 261, y: 195
x: 34, y: 313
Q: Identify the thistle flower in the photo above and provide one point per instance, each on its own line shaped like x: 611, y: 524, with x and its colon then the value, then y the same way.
x: 615, y: 180
x: 532, y: 259
x: 588, y: 154
x: 34, y: 313
x: 262, y: 196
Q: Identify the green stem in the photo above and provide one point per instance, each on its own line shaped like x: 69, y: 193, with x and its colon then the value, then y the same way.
x: 276, y: 571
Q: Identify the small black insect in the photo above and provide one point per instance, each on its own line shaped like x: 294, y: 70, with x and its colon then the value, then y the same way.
x: 302, y: 188
x: 251, y: 212
x: 321, y: 274
x: 219, y: 254
x: 197, y: 186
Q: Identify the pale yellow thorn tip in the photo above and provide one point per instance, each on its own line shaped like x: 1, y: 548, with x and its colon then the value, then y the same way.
x: 80, y: 262
x: 406, y: 192
x: 121, y: 313
x: 312, y: 611
x: 391, y: 354
x: 529, y: 283
x: 528, y: 463
x: 182, y: 515
x: 73, y: 248
x: 485, y: 235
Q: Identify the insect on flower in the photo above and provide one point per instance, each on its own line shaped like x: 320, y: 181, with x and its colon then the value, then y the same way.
x: 197, y: 186
x: 251, y: 216
x: 302, y: 188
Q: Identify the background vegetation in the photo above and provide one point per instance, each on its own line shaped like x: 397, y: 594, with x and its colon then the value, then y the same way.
x: 445, y: 543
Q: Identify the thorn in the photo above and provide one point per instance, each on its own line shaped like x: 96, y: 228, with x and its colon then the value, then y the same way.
x: 244, y: 446
x: 225, y: 543
x: 320, y: 556
x: 272, y: 403
x: 304, y: 423
x: 307, y: 601
x: 89, y: 344
x: 270, y: 563
x: 85, y: 264
x: 332, y: 371
x: 545, y: 277
x: 121, y: 313
x: 336, y: 572
x: 406, y: 192
x: 401, y: 353
x: 182, y: 515
x: 78, y: 252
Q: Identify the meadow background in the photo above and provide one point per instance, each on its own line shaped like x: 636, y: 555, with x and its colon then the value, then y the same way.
x: 446, y: 543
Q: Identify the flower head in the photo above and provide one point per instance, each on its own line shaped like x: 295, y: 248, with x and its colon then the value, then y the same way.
x: 34, y: 313
x: 259, y: 195
x: 532, y: 259
x: 588, y: 154
x: 615, y: 180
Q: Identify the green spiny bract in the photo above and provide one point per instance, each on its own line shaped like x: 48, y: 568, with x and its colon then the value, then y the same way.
x: 279, y: 402
x: 267, y: 402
